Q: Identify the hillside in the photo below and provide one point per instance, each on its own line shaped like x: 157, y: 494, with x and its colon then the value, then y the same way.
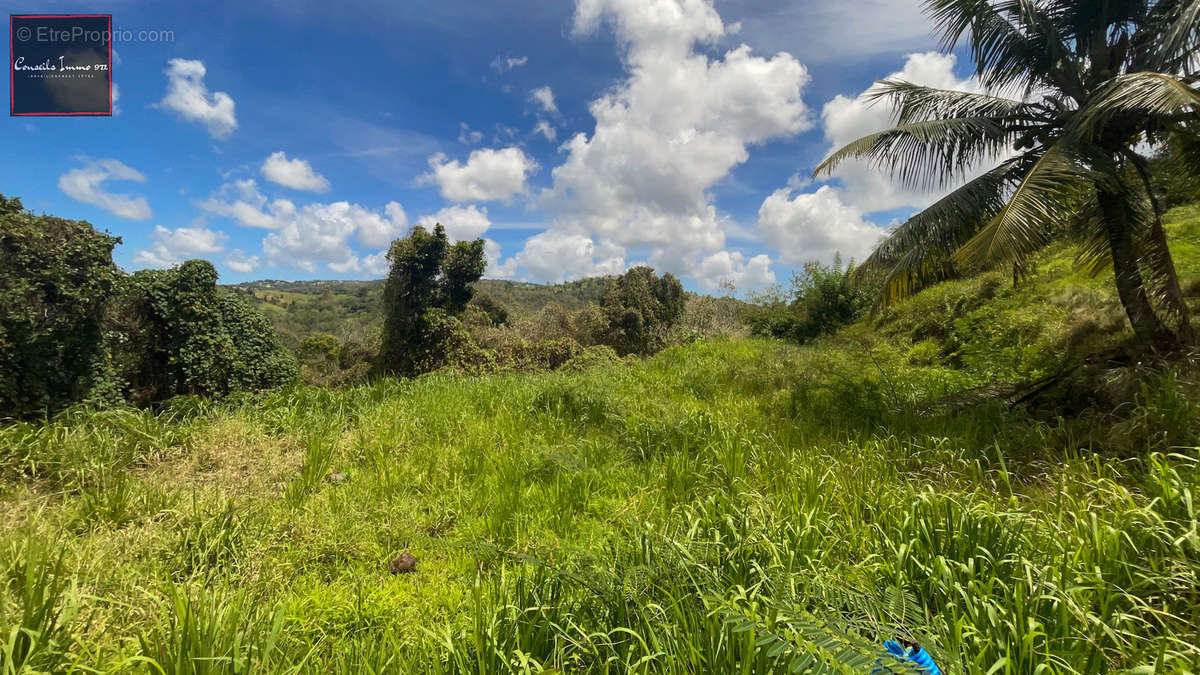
x: 348, y: 308
x: 725, y: 506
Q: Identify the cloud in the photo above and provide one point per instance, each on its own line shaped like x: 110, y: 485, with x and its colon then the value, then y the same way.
x: 188, y: 96
x: 171, y: 247
x: 86, y: 184
x: 815, y: 226
x: 678, y: 124
x: 554, y: 256
x: 293, y: 173
x: 501, y: 64
x: 495, y: 269
x: 319, y: 234
x: 544, y: 97
x: 543, y: 127
x: 461, y: 223
x: 239, y: 262
x: 848, y: 119
x: 468, y: 137
x: 309, y: 236
x: 488, y: 174
x: 733, y: 267
x: 242, y: 201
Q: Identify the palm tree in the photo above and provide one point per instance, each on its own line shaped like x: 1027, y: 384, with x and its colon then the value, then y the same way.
x: 1073, y: 88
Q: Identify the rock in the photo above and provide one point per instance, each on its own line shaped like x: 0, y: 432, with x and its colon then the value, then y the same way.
x: 337, y: 477
x: 403, y: 564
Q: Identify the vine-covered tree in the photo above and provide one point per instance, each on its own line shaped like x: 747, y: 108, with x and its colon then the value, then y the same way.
x: 55, y: 277
x: 174, y: 332
x: 1075, y: 87
x: 429, y: 282
x: 640, y: 306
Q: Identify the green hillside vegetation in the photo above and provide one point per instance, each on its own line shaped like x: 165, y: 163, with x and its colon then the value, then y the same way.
x: 351, y: 309
x: 728, y: 505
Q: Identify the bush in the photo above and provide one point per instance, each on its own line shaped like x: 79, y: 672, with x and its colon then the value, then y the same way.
x: 824, y: 299
x: 173, y: 332
x: 641, y: 308
x: 591, y: 357
x: 55, y: 277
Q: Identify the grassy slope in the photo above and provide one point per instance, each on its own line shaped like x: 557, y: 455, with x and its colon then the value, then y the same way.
x: 665, y: 506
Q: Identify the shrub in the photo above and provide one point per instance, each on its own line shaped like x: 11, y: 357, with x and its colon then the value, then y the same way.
x: 175, y: 333
x: 55, y: 277
x: 591, y: 357
x: 824, y: 299
x: 641, y: 307
x: 548, y: 355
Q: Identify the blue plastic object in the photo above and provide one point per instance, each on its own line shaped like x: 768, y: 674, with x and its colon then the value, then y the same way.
x: 915, y: 655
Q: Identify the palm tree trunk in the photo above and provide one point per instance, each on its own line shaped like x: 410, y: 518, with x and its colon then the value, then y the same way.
x: 1131, y: 288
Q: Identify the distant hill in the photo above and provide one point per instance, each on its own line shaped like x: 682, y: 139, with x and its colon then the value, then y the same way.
x: 347, y: 308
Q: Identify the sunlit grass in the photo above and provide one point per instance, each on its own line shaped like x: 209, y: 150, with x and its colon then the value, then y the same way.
x: 728, y: 506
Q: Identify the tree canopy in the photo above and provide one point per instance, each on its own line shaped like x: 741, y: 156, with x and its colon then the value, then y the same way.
x: 1074, y: 88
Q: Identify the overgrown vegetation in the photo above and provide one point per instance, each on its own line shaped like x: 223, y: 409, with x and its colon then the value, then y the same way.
x: 724, y: 506
x: 823, y: 299
x: 75, y: 329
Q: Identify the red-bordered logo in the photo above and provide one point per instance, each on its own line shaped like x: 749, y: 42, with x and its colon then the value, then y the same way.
x: 60, y: 64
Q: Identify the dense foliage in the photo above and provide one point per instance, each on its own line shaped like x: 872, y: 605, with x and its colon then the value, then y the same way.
x: 74, y: 329
x: 429, y: 283
x: 175, y: 333
x: 824, y: 298
x: 55, y: 278
x: 640, y: 308
x: 1074, y: 89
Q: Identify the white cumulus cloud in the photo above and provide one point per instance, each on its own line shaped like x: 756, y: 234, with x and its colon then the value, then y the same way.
x: 171, y: 247
x: 242, y: 201
x: 815, y: 226
x: 318, y: 234
x: 296, y: 173
x: 188, y: 95
x: 462, y: 223
x: 735, y: 268
x: 86, y: 184
x: 487, y: 175
x: 680, y: 122
x: 240, y: 262
x: 544, y: 97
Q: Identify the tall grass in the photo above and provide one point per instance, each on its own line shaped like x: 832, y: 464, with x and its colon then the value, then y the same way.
x: 736, y: 506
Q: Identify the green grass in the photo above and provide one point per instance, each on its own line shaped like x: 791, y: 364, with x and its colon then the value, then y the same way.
x: 728, y: 506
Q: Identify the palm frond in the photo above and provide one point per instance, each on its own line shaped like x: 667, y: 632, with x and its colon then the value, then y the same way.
x: 1168, y: 37
x: 1013, y: 43
x: 1044, y: 199
x: 918, y: 103
x: 918, y: 252
x: 927, y: 154
x: 1137, y: 96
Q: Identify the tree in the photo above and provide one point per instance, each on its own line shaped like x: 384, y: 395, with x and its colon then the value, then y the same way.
x: 640, y: 307
x: 1074, y: 87
x: 55, y: 277
x: 430, y: 281
x: 174, y: 332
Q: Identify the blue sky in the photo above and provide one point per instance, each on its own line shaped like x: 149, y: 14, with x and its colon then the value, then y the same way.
x: 294, y: 139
